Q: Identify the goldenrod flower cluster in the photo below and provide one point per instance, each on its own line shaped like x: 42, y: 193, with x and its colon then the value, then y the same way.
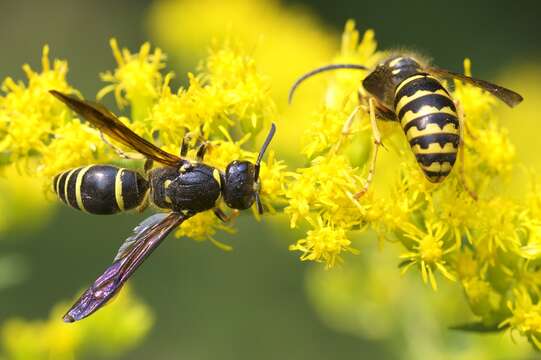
x: 490, y: 246
x: 284, y: 40
x: 113, y: 331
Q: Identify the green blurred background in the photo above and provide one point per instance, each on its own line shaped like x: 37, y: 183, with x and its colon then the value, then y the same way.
x: 252, y: 302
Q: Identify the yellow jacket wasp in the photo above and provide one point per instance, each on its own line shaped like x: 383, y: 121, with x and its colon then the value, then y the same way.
x: 182, y: 187
x: 401, y: 88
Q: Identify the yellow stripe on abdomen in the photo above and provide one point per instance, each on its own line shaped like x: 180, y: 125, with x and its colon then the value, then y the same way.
x: 404, y: 100
x: 78, y: 185
x: 118, y: 190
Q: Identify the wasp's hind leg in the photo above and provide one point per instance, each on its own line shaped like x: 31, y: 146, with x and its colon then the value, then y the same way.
x: 462, y: 172
x: 144, y: 204
x: 377, y: 142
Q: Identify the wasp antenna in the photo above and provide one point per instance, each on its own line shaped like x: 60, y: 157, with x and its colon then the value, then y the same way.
x: 320, y: 70
x: 263, y: 149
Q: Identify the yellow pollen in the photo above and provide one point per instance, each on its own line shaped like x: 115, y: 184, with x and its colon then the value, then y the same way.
x: 430, y: 249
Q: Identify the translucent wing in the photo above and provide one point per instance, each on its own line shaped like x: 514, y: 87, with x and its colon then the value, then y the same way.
x: 110, y: 125
x: 147, y: 236
x: 509, y: 97
x: 130, y: 242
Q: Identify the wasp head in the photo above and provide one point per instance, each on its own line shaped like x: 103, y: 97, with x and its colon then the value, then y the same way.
x: 387, y: 75
x: 241, y: 180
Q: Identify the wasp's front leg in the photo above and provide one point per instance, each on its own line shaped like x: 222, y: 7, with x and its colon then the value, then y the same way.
x: 377, y: 142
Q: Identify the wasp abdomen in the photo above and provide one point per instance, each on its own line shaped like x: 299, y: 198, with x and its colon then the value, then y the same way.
x: 429, y: 118
x: 101, y: 189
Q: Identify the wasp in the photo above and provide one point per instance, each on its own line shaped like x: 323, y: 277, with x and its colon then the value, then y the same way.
x: 404, y: 89
x: 181, y: 188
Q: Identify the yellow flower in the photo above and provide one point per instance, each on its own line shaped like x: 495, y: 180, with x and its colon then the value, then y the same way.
x: 532, y: 248
x: 229, y: 95
x: 325, y: 130
x: 325, y: 244
x: 266, y: 28
x: 326, y: 188
x: 476, y: 103
x: 428, y: 251
x: 74, y: 144
x: 114, y: 330
x: 28, y: 113
x: 525, y: 318
x: 454, y: 207
x: 484, y: 300
x: 499, y: 226
x: 137, y: 78
x: 494, y: 152
x: 202, y: 227
x: 274, y: 178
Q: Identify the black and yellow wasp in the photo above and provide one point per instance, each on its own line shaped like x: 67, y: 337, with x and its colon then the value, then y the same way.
x: 401, y: 88
x: 181, y: 187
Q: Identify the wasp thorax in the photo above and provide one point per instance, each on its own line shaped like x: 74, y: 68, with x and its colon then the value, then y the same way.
x: 240, y: 185
x: 383, y: 80
x: 399, y: 64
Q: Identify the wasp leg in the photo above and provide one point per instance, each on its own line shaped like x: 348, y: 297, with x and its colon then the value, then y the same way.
x: 377, y: 142
x: 464, y: 124
x: 346, y: 128
x: 144, y: 203
x: 380, y: 111
x: 462, y: 173
x: 119, y: 152
x: 148, y: 165
x: 201, y: 150
x: 223, y: 216
x: 185, y: 145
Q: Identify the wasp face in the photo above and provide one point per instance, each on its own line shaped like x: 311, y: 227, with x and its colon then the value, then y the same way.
x: 240, y: 186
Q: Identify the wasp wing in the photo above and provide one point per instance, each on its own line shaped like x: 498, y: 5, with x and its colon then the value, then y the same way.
x: 147, y: 236
x: 109, y: 124
x: 509, y: 97
x: 130, y: 242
